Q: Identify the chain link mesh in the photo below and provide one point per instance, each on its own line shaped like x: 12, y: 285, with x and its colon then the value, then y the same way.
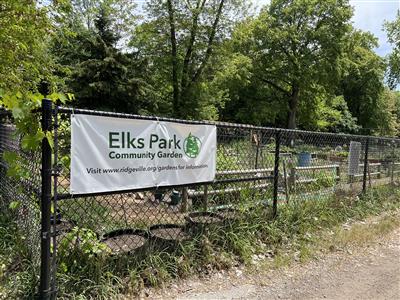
x: 312, y: 166
x: 20, y: 196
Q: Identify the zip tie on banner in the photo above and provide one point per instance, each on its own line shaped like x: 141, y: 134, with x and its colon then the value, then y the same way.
x: 73, y: 113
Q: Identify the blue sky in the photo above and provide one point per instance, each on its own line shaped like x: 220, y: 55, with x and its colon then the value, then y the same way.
x: 369, y: 15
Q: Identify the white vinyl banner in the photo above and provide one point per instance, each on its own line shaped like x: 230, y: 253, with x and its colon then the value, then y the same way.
x: 114, y: 154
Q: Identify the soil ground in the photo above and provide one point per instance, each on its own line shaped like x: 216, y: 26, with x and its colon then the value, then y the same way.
x: 369, y: 271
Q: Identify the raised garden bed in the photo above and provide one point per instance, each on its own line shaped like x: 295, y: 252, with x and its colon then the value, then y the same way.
x: 204, y: 218
x: 125, y: 240
x: 169, y: 233
x: 199, y: 221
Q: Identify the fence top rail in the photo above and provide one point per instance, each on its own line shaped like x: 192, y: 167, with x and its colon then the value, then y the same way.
x: 70, y: 110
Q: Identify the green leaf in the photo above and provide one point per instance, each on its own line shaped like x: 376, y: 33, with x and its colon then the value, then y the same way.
x: 62, y: 98
x: 17, y: 112
x: 10, y: 157
x: 31, y: 142
x: 70, y: 96
x: 15, y: 205
x: 50, y: 139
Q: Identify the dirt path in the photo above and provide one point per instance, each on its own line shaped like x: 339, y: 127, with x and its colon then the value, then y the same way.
x: 368, y: 272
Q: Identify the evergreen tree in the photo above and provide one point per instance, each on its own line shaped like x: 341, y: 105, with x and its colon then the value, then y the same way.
x: 102, y: 76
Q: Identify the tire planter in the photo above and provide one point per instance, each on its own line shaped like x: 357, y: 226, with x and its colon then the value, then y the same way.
x: 126, y: 241
x: 168, y: 234
x: 199, y: 221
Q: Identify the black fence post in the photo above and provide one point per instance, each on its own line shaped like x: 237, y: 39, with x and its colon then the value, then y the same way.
x: 276, y: 171
x: 45, y: 205
x: 365, y: 166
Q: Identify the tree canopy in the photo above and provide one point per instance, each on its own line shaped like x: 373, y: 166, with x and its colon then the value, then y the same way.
x: 294, y: 63
x: 393, y: 32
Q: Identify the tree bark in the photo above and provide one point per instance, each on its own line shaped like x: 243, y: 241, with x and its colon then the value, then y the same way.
x: 174, y: 58
x: 193, y: 32
x: 210, y: 42
x: 293, y: 106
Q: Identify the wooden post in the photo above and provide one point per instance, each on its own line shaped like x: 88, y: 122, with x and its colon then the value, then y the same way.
x: 205, y: 198
x: 184, y: 206
x: 369, y: 176
x: 338, y: 174
x: 292, y: 179
x: 392, y: 173
x: 379, y: 171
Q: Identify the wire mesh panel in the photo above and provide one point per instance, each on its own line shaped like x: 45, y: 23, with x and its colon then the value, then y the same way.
x: 311, y: 166
x: 20, y: 186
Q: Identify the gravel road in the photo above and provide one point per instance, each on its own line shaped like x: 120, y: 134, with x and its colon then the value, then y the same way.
x: 368, y: 272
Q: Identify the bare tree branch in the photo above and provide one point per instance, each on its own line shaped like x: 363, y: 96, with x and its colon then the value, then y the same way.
x: 276, y: 86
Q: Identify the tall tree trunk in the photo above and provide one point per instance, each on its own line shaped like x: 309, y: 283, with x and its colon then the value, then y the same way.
x: 293, y: 106
x: 174, y: 58
x: 210, y: 42
x: 193, y: 32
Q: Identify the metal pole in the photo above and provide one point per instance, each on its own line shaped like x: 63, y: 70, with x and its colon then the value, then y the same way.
x: 205, y: 198
x: 276, y: 171
x: 44, y: 289
x: 365, y: 166
x: 55, y: 191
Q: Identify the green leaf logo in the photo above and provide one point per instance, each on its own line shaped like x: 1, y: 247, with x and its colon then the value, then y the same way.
x: 192, y: 146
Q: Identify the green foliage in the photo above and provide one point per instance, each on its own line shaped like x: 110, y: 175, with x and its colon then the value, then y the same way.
x: 100, y: 74
x: 295, y: 63
x: 183, y: 57
x: 22, y: 105
x: 393, y: 33
x: 17, y: 272
x: 81, y: 243
x: 362, y: 78
x: 24, y: 60
x: 294, y: 45
x: 87, y: 271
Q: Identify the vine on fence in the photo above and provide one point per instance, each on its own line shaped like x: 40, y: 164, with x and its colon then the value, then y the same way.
x: 27, y: 122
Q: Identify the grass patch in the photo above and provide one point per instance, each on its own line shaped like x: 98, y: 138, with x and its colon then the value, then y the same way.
x: 361, y: 233
x: 18, y: 275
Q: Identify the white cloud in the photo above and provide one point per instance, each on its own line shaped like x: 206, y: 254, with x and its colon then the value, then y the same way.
x: 370, y: 15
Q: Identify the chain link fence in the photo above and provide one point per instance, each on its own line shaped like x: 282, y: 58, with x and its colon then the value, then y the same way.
x: 256, y: 167
x: 252, y: 170
x: 20, y: 196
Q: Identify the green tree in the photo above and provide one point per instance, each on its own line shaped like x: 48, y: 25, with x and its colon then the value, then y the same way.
x: 393, y: 32
x: 295, y: 46
x: 101, y: 75
x: 24, y: 28
x: 182, y: 39
x: 362, y: 79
